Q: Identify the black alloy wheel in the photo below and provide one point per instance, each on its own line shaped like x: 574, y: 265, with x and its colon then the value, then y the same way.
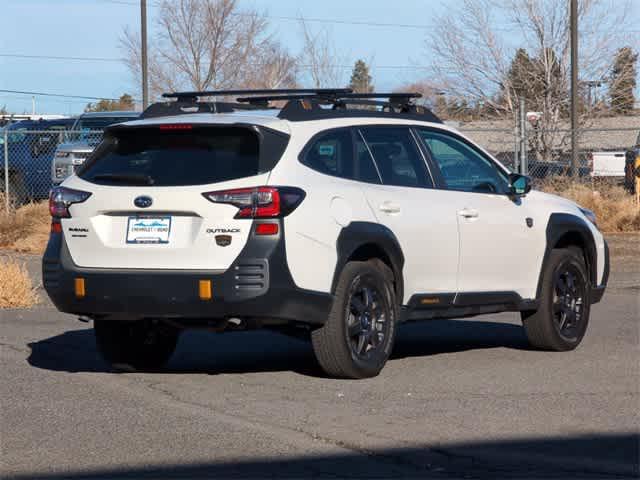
x: 568, y: 300
x: 367, y: 317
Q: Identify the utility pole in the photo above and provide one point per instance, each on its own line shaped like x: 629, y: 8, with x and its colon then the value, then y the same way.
x: 575, y: 160
x: 143, y: 51
x: 523, y: 138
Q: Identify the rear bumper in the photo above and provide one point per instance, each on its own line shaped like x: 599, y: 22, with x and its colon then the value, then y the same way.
x: 598, y: 292
x: 257, y: 285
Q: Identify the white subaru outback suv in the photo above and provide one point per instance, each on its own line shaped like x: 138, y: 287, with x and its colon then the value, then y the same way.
x: 320, y: 219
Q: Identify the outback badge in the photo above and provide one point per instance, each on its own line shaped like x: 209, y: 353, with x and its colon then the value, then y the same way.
x: 223, y: 240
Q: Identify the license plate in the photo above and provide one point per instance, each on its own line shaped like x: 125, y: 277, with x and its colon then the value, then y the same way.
x: 148, y: 229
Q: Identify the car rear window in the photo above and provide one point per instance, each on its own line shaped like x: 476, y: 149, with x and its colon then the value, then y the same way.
x: 166, y: 157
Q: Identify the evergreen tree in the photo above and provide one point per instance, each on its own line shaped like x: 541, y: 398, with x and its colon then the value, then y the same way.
x: 623, y: 80
x: 360, y: 78
x: 520, y: 71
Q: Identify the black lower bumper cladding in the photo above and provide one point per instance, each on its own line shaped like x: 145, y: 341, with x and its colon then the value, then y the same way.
x: 257, y: 285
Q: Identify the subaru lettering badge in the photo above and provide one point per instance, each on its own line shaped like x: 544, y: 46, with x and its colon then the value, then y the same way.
x: 143, y: 202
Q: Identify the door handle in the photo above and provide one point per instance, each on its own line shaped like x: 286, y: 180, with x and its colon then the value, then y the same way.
x: 389, y: 207
x: 468, y: 213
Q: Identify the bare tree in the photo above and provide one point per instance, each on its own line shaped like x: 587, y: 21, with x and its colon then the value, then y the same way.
x: 209, y: 44
x: 432, y: 94
x: 472, y: 56
x: 275, y: 68
x: 320, y: 58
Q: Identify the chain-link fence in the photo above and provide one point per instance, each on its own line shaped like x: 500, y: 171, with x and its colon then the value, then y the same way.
x: 33, y: 161
x: 601, y: 156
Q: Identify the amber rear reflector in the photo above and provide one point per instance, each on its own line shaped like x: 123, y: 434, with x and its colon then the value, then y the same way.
x: 430, y: 301
x: 204, y: 289
x: 79, y: 287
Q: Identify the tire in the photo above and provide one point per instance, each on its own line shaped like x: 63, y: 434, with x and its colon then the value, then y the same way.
x: 359, y: 334
x: 562, y: 317
x: 135, y: 345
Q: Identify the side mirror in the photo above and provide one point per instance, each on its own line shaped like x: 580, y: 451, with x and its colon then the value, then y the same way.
x: 519, y: 185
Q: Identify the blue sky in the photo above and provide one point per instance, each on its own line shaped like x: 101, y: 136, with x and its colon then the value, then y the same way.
x: 91, y: 28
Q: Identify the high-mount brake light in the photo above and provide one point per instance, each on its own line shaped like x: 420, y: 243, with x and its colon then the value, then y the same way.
x: 259, y: 202
x: 176, y: 126
x: 61, y: 198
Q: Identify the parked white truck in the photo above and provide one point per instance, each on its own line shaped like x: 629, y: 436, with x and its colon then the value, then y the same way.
x: 607, y: 164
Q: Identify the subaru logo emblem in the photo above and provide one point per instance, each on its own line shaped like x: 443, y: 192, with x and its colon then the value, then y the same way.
x: 143, y: 202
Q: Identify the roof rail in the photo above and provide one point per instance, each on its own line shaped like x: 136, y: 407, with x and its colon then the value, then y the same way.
x: 318, y: 109
x: 181, y: 107
x: 302, y: 103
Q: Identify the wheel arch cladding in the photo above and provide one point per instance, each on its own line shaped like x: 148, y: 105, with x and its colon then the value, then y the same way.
x: 360, y: 241
x: 565, y: 230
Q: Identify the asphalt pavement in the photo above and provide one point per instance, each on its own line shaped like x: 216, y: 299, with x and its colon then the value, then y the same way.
x: 459, y: 398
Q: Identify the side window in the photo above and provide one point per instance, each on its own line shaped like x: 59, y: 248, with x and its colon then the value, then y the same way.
x: 365, y: 168
x: 331, y: 153
x: 462, y: 167
x: 397, y: 156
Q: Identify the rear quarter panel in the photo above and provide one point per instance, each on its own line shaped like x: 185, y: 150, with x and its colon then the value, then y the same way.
x: 312, y: 230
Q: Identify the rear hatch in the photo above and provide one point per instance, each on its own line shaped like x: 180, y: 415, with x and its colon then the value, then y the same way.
x: 147, y: 208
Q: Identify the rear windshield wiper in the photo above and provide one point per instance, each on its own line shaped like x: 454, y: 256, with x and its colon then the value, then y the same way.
x: 132, y: 178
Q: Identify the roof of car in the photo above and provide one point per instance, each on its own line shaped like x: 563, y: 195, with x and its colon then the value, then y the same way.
x: 36, y: 124
x: 254, y: 117
x: 117, y: 113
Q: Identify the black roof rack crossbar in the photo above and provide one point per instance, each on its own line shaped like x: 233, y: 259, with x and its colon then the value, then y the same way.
x: 312, y: 109
x: 331, y: 96
x: 261, y: 99
x: 390, y: 96
x: 276, y: 91
x: 344, y: 102
x: 301, y: 103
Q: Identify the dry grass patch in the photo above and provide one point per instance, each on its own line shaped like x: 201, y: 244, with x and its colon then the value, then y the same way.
x: 16, y: 288
x: 25, y: 229
x: 613, y: 205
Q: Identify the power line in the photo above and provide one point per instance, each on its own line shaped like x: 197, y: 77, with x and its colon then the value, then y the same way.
x: 53, y: 57
x: 45, y: 94
x: 414, y: 26
x: 105, y: 59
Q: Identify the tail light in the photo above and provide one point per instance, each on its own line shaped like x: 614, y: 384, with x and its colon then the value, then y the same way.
x: 259, y: 202
x: 61, y: 198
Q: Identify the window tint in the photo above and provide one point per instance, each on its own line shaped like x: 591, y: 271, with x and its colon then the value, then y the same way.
x: 397, y: 156
x: 331, y: 153
x: 462, y: 167
x: 171, y: 158
x: 366, y: 170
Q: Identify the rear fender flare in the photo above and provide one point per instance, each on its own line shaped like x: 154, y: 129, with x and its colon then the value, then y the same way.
x: 359, y: 237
